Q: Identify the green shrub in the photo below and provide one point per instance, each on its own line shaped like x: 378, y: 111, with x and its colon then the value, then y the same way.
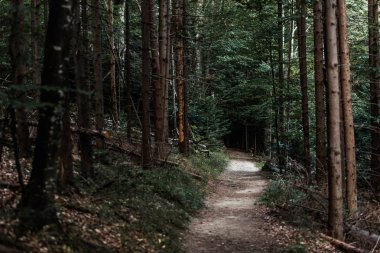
x: 281, y: 191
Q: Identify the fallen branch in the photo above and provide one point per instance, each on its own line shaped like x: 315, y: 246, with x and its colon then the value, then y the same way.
x: 345, y: 246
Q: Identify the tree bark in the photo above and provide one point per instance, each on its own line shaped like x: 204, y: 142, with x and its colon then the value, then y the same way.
x: 335, y: 218
x: 115, y: 114
x: 82, y: 85
x: 162, y: 88
x: 35, y: 25
x: 19, y: 71
x: 349, y: 134
x: 320, y: 136
x: 178, y: 13
x: 374, y: 65
x: 99, y: 106
x: 159, y: 92
x: 303, y: 80
x: 127, y: 69
x: 280, y: 110
x: 37, y: 203
x: 146, y: 86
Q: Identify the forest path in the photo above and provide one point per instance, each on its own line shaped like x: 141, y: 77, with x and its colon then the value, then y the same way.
x: 232, y: 220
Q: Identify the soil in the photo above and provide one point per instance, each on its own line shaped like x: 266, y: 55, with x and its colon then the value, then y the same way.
x: 233, y: 220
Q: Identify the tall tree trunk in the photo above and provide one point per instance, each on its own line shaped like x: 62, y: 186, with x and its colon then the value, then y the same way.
x: 320, y: 136
x: 281, y: 81
x: 37, y: 203
x: 35, y: 25
x: 146, y: 85
x: 349, y: 134
x: 303, y: 80
x: 159, y: 91
x: 335, y: 166
x: 178, y: 13
x: 19, y: 71
x: 374, y: 65
x: 186, y: 64
x: 162, y: 89
x: 99, y: 106
x: 127, y: 68
x: 82, y: 85
x: 115, y: 114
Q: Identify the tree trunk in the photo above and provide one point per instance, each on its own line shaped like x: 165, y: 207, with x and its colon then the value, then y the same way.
x: 303, y: 80
x: 349, y: 134
x: 159, y: 91
x: 185, y: 77
x: 127, y: 69
x: 115, y: 114
x: 281, y: 81
x: 37, y: 203
x: 335, y: 218
x: 320, y: 136
x: 35, y: 25
x: 162, y: 89
x: 146, y: 87
x: 374, y: 65
x: 99, y: 107
x: 82, y: 85
x: 17, y: 53
x: 178, y: 23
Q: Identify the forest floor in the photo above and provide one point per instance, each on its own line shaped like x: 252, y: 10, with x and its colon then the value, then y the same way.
x: 233, y: 219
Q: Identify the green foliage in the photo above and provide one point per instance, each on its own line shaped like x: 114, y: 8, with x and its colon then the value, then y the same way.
x: 156, y: 202
x: 209, y: 167
x: 207, y: 121
x: 280, y: 191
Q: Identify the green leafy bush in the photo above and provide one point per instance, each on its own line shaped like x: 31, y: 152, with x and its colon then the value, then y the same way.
x: 280, y: 191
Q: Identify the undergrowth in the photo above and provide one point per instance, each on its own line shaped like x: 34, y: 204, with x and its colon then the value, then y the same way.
x: 294, y: 201
x: 123, y: 209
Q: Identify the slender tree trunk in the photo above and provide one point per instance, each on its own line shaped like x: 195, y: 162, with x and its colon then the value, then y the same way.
x: 374, y: 65
x: 303, y: 80
x: 159, y: 91
x: 82, y: 85
x: 320, y: 136
x: 17, y: 54
x: 115, y: 114
x: 178, y: 13
x: 162, y: 89
x: 335, y: 166
x: 127, y: 69
x: 349, y: 134
x: 186, y: 64
x: 281, y: 81
x: 35, y: 25
x: 37, y: 203
x: 146, y: 85
x: 96, y: 33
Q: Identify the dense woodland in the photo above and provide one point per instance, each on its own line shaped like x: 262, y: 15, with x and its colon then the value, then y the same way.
x: 291, y: 81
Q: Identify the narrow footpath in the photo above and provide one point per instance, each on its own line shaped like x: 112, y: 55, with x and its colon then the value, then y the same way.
x: 232, y: 220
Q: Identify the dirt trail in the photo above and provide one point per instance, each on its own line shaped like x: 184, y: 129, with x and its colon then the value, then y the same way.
x: 232, y: 220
